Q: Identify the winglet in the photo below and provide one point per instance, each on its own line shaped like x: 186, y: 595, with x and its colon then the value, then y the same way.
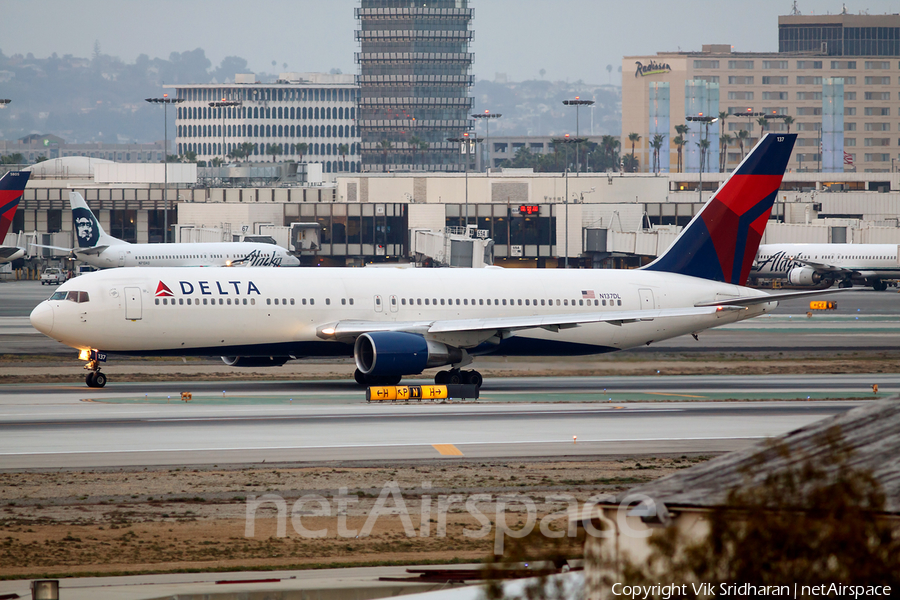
x: 721, y: 241
x: 12, y: 186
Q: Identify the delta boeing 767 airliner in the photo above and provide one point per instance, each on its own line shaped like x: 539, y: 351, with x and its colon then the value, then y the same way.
x: 398, y: 322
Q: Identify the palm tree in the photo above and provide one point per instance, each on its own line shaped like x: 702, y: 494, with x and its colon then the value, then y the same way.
x: 189, y: 156
x: 413, y: 143
x: 724, y: 141
x: 657, y: 144
x: 704, y: 149
x: 682, y: 131
x: 385, y: 146
x: 722, y: 117
x: 742, y: 135
x: 762, y: 125
x: 423, y: 145
x: 679, y: 144
x: 16, y: 158
x: 248, y: 148
x: 633, y: 138
x: 275, y: 150
x: 236, y: 153
x: 343, y: 150
x: 787, y: 121
x: 301, y: 148
x: 630, y: 163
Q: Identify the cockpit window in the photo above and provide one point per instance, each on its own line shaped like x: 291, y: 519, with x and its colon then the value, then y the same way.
x: 77, y: 297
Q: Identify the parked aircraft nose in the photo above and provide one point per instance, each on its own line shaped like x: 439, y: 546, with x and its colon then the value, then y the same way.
x: 291, y: 261
x: 42, y: 318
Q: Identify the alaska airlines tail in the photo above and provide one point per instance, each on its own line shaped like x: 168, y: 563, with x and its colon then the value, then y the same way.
x: 87, y: 227
x: 12, y: 186
x: 721, y: 241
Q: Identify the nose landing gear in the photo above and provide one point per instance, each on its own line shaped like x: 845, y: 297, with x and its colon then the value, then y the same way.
x: 94, y: 378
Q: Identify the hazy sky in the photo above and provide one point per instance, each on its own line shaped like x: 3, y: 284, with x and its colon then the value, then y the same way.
x: 571, y: 39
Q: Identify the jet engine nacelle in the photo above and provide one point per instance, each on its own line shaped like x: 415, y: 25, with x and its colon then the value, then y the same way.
x: 400, y: 353
x: 255, y: 361
x: 803, y: 276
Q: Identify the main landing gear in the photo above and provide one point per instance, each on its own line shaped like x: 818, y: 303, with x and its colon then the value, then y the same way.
x: 94, y: 378
x: 456, y: 377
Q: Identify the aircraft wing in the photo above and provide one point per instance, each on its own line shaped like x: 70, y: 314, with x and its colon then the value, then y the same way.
x: 7, y: 251
x: 750, y: 300
x: 821, y: 267
x: 485, y: 328
x: 89, y: 251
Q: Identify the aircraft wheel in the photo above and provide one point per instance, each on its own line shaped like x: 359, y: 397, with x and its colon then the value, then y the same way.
x: 441, y: 377
x: 360, y: 378
x: 89, y: 379
x: 99, y: 379
x: 454, y: 377
x: 474, y: 378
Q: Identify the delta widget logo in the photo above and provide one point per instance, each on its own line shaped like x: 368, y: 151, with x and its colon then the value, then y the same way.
x: 163, y: 291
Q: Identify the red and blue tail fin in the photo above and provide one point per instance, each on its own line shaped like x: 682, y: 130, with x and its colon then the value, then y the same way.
x: 12, y: 186
x: 721, y: 241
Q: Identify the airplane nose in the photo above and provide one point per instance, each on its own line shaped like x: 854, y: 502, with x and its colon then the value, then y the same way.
x: 42, y: 318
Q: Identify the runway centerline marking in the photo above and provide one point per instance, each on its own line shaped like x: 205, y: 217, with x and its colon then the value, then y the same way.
x: 670, y: 394
x: 447, y: 450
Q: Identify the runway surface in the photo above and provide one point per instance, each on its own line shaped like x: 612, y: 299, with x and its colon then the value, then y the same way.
x: 65, y: 426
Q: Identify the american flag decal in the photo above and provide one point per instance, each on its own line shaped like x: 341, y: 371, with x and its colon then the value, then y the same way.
x: 588, y: 294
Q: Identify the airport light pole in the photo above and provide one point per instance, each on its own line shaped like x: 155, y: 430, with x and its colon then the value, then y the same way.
x: 223, y: 104
x: 467, y: 143
x: 566, y: 140
x: 165, y: 101
x: 487, y: 116
x: 706, y: 120
x: 577, y: 103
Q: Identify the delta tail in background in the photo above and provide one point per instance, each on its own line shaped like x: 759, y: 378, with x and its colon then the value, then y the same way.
x: 12, y: 186
x: 823, y: 265
x: 103, y: 251
x: 397, y: 322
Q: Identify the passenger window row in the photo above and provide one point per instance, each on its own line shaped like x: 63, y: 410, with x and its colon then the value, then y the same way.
x: 403, y: 301
x: 206, y: 301
x: 504, y: 302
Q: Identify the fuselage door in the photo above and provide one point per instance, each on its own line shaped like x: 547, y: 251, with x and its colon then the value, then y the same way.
x: 646, y: 299
x: 379, y: 304
x: 132, y: 303
x: 394, y: 304
x: 122, y: 258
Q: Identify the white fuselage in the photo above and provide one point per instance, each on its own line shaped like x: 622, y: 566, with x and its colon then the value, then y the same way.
x: 775, y: 261
x: 215, y: 254
x: 229, y: 311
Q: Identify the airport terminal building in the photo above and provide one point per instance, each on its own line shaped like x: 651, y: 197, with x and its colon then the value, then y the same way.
x: 837, y: 78
x: 533, y: 219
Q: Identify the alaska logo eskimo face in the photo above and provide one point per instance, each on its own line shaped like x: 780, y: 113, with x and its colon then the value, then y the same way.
x: 86, y: 229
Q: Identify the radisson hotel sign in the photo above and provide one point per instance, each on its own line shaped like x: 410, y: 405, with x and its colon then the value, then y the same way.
x: 651, y: 68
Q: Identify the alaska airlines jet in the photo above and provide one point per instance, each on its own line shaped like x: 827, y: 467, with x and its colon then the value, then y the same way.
x: 12, y: 186
x: 824, y: 264
x: 399, y: 322
x: 101, y: 250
